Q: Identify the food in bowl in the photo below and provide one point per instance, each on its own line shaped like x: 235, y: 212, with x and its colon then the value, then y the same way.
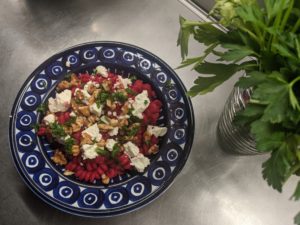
x: 102, y: 124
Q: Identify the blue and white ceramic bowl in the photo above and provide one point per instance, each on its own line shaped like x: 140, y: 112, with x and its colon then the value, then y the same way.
x: 126, y: 193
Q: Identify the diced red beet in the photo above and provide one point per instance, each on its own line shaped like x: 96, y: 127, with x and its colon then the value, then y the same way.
x: 89, y: 166
x: 87, y: 176
x: 104, y: 167
x: 42, y: 131
x: 100, y: 171
x: 84, y: 78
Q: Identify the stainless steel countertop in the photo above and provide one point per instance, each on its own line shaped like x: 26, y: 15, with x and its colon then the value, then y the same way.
x: 214, y: 188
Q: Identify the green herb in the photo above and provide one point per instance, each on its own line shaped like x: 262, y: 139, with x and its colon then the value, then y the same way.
x: 145, y: 102
x: 115, y: 151
x: 132, y: 78
x: 68, y: 143
x: 57, y: 130
x: 102, y: 151
x: 68, y: 77
x: 134, y: 119
x: 264, y: 42
x: 70, y: 121
x: 119, y: 96
x: 36, y: 127
x: 102, y: 97
x: 42, y: 108
x: 130, y: 91
x: 133, y: 131
x: 78, y: 101
x: 104, y: 119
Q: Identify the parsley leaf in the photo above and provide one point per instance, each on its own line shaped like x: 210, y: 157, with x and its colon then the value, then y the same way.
x: 57, y: 130
x: 42, y: 107
x: 115, y: 151
x: 68, y: 143
x: 102, y: 151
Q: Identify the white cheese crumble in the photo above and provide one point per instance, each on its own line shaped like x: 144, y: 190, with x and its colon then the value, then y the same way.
x: 157, y: 131
x: 73, y: 114
x: 110, y: 144
x: 131, y: 149
x: 114, y: 131
x: 140, y: 162
x: 61, y: 102
x: 86, y: 95
x: 88, y: 84
x: 93, y: 131
x: 141, y: 102
x: 95, y: 110
x: 50, y: 118
x: 102, y: 71
x: 89, y: 151
x: 124, y: 81
x: 68, y: 64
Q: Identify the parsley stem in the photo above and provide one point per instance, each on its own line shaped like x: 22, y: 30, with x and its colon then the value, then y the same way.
x: 286, y: 15
x: 296, y: 26
x: 291, y: 172
x: 294, y: 81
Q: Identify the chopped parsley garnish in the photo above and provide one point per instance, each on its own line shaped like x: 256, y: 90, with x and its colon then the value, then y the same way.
x: 35, y: 126
x: 130, y: 91
x: 102, y: 151
x: 133, y: 131
x: 42, y: 107
x: 145, y: 102
x: 132, y: 78
x: 101, y: 98
x: 119, y: 96
x: 134, y: 119
x: 78, y: 101
x: 68, y: 77
x: 115, y: 151
x: 57, y: 130
x: 70, y: 121
x: 68, y: 145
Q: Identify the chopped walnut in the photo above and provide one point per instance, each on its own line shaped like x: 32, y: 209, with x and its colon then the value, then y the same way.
x: 125, y: 108
x: 68, y: 173
x: 74, y: 80
x: 79, y: 95
x: 91, y: 88
x: 106, y: 85
x: 114, y: 122
x: 86, y: 139
x: 105, y: 179
x: 153, y: 149
x: 84, y: 110
x: 147, y: 136
x: 92, y: 119
x: 59, y: 158
x: 63, y: 85
x: 123, y: 122
x: 101, y: 143
x: 74, y: 105
x: 111, y: 104
x: 103, y: 126
x: 75, y: 150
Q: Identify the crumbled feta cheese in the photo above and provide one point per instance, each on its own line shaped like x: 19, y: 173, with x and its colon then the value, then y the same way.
x: 110, y: 144
x: 157, y: 131
x: 140, y: 162
x: 114, y: 114
x: 73, y: 114
x: 50, y: 118
x: 109, y: 113
x: 86, y: 86
x: 86, y: 95
x: 124, y: 81
x: 124, y: 117
x: 102, y: 71
x: 61, y: 103
x: 68, y: 64
x: 141, y: 102
x: 93, y: 131
x: 131, y: 149
x: 89, y: 151
x: 114, y: 131
x: 94, y: 109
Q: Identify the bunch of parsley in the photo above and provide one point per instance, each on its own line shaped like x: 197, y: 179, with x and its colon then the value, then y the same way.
x: 264, y: 42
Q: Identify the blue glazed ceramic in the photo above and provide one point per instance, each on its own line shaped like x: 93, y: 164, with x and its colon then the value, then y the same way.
x: 31, y: 154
